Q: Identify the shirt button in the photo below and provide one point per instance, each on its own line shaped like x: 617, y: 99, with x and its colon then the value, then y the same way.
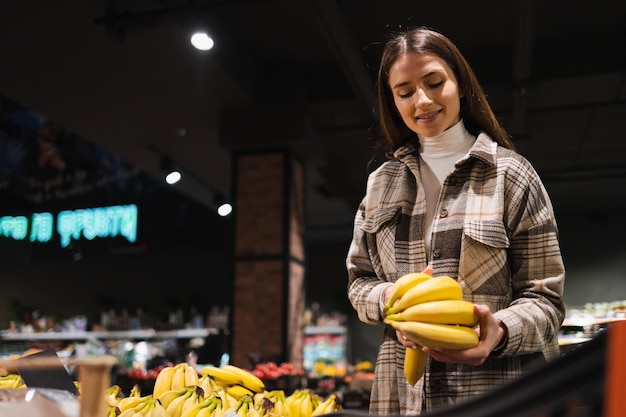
x: 443, y: 213
x: 436, y: 253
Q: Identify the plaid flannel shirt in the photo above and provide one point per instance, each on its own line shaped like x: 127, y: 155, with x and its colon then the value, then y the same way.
x: 495, y: 231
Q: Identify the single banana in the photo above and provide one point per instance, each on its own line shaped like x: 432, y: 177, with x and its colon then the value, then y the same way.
x: 403, y: 284
x: 306, y: 406
x: 208, y: 384
x: 170, y: 395
x: 436, y: 288
x: 440, y: 311
x: 295, y: 403
x: 191, y: 376
x: 414, y: 364
x: 226, y: 399
x: 248, y: 379
x: 442, y: 336
x: 178, y: 379
x: 221, y: 376
x: 163, y: 381
x: 238, y: 391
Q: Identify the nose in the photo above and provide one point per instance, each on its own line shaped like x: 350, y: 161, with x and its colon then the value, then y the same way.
x: 422, y: 99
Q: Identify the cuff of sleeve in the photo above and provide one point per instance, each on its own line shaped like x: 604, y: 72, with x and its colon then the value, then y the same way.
x: 505, y: 337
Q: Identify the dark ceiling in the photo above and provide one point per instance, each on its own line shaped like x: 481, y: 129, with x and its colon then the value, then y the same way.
x: 300, y: 74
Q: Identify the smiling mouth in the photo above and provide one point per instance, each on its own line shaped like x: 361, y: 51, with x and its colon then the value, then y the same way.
x: 427, y: 116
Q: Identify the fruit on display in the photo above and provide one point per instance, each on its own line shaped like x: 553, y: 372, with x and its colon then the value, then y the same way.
x: 329, y: 405
x: 272, y: 370
x: 175, y: 377
x: 431, y: 312
x: 11, y: 381
x: 231, y: 392
x: 133, y: 398
x: 213, y: 397
x: 149, y: 407
x: 230, y: 375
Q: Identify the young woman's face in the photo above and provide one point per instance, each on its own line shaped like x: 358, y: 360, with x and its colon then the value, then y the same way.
x: 426, y: 93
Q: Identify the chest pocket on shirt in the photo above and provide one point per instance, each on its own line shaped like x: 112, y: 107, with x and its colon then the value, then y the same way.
x: 380, y: 226
x: 483, y: 263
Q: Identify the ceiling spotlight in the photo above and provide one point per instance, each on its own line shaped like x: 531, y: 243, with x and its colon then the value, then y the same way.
x: 202, y: 41
x: 224, y: 208
x: 172, y: 175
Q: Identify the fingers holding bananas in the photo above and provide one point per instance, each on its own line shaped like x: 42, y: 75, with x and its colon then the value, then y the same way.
x: 430, y: 313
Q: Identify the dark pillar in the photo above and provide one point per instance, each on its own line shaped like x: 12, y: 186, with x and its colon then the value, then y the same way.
x: 268, y: 291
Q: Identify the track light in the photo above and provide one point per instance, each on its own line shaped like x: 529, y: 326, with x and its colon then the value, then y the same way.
x: 202, y: 41
x: 172, y: 170
x: 172, y: 175
x: 224, y: 208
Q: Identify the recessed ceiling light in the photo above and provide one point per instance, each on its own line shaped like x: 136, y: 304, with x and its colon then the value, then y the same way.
x: 202, y: 41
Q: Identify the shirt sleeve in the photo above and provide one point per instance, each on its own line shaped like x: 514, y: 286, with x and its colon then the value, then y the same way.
x: 365, y: 289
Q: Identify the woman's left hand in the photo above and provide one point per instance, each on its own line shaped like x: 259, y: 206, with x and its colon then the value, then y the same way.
x: 491, y: 332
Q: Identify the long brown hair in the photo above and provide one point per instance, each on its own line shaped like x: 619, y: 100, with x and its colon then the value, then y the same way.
x: 476, y: 112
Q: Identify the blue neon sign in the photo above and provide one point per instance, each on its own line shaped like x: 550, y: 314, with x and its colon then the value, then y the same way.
x: 92, y: 223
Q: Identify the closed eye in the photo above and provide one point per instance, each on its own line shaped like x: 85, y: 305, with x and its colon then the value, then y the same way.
x: 435, y: 85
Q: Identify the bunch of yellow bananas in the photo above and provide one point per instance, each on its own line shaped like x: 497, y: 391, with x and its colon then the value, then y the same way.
x: 330, y: 405
x: 271, y: 403
x: 431, y: 312
x: 174, y: 378
x: 219, y: 391
x: 113, y: 395
x: 235, y: 380
x: 177, y: 402
x: 209, y: 407
x: 302, y: 403
x: 11, y: 381
x: 148, y: 407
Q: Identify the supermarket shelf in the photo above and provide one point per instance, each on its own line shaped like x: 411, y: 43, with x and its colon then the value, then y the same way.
x: 312, y: 330
x: 120, y: 334
x: 572, y: 340
x: 581, y: 322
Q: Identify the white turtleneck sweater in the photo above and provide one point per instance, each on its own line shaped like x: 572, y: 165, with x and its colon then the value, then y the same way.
x: 437, y: 158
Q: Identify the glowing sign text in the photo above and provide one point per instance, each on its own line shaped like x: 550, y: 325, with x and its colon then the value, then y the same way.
x: 73, y: 224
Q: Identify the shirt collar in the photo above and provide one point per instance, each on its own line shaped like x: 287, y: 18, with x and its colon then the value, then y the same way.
x: 484, y: 148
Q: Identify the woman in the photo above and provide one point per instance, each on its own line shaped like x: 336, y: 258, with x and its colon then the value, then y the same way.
x: 454, y: 196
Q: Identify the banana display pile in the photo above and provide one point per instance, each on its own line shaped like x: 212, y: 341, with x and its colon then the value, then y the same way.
x: 431, y: 312
x: 229, y: 391
x: 11, y: 381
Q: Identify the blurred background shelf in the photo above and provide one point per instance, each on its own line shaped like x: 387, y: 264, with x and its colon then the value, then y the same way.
x: 115, y: 334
